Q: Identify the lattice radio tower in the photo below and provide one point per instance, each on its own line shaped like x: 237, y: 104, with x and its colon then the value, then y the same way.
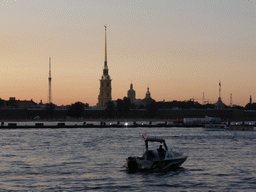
x: 50, y: 82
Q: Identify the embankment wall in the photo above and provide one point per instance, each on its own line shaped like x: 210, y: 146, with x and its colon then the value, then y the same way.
x: 235, y: 115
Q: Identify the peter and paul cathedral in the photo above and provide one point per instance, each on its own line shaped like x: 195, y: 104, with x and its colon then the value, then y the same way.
x: 105, y: 82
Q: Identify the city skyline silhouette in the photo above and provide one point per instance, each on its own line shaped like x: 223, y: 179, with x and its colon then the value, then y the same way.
x: 180, y: 49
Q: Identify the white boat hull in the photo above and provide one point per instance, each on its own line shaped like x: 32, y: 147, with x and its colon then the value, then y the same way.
x: 136, y: 164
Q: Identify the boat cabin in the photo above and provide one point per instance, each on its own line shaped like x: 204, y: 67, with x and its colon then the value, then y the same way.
x: 154, y: 154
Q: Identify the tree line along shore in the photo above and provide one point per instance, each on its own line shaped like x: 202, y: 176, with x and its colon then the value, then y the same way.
x: 124, y: 109
x: 161, y: 114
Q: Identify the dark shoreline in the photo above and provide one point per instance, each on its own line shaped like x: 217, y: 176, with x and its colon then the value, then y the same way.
x: 13, y: 114
x: 95, y: 123
x: 94, y: 126
x: 92, y: 123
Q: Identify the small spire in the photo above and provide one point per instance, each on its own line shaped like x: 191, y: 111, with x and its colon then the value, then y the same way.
x: 147, y: 93
x: 219, y: 89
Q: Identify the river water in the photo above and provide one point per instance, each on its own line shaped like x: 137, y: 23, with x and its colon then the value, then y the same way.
x: 92, y: 159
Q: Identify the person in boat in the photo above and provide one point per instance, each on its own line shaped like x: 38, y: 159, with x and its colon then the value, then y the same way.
x: 161, y: 152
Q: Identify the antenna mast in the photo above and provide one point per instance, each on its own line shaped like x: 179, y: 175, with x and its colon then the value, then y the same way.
x: 50, y: 82
x: 231, y: 100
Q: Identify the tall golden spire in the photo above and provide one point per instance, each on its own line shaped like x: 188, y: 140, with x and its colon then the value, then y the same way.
x: 105, y: 45
x: 105, y: 69
x: 105, y: 81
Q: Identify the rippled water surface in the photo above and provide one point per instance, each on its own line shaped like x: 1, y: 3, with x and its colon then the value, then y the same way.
x: 93, y: 160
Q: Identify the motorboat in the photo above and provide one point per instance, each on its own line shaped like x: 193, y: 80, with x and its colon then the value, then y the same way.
x: 216, y: 126
x: 242, y: 127
x: 228, y: 126
x: 154, y: 160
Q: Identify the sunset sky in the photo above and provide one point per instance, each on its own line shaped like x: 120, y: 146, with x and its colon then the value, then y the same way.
x: 179, y: 48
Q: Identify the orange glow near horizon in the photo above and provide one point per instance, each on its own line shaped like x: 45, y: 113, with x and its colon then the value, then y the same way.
x: 180, y: 49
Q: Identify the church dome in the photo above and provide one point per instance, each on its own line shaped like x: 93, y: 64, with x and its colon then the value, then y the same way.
x: 131, y: 94
x: 219, y: 104
x: 131, y: 90
x: 148, y: 94
x: 147, y: 100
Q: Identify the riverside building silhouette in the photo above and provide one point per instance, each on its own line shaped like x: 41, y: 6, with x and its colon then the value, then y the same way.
x: 105, y: 82
x: 131, y: 94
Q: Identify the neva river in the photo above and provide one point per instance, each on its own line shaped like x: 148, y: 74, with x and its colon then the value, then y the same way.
x: 93, y: 160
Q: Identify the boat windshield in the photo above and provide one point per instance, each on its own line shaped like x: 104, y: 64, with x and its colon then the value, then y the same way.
x: 160, y: 140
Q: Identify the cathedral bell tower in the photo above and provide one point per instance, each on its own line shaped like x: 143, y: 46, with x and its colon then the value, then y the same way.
x: 131, y: 94
x: 105, y: 81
